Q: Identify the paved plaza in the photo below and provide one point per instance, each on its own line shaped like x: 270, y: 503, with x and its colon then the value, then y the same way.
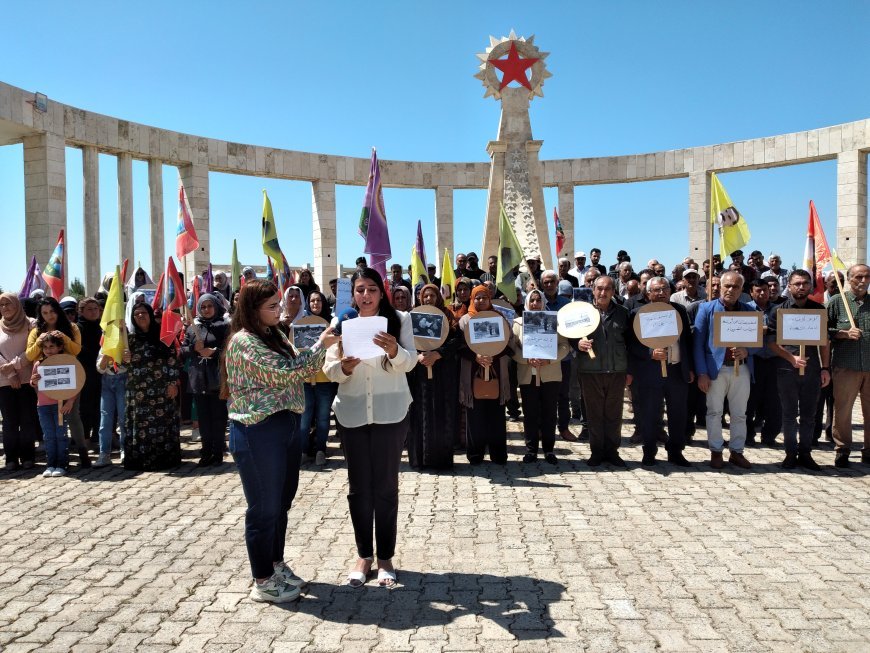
x: 517, y: 558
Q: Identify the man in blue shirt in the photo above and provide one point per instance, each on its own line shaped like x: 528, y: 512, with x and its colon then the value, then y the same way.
x: 714, y: 367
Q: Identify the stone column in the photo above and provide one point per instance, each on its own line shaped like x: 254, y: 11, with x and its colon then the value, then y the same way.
x: 324, y: 233
x: 44, y: 196
x: 125, y: 210
x: 852, y: 206
x: 566, y: 217
x: 195, y: 180
x: 699, y: 218
x: 444, y: 227
x: 91, y: 194
x: 155, y: 192
x: 497, y: 151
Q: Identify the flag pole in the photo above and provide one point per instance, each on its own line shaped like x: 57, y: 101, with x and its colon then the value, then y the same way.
x: 843, y: 293
x: 710, y: 258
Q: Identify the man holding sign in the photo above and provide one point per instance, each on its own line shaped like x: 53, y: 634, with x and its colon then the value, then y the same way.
x: 800, y: 374
x: 849, y: 328
x: 719, y: 377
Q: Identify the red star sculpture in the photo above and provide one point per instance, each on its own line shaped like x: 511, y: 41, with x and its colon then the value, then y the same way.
x: 514, y: 68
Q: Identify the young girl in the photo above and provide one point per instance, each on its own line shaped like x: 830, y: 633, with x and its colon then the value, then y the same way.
x: 54, y: 435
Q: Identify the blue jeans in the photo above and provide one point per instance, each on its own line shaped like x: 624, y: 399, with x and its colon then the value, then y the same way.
x: 54, y: 436
x: 112, y: 404
x: 267, y: 454
x: 318, y: 406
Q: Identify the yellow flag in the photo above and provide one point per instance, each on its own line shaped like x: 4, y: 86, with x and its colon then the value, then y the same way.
x: 733, y: 230
x: 418, y: 270
x: 112, y: 322
x: 270, y: 232
x: 510, y: 255
x: 448, y: 278
x: 836, y: 262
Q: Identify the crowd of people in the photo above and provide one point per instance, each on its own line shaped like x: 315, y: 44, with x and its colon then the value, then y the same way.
x: 234, y: 369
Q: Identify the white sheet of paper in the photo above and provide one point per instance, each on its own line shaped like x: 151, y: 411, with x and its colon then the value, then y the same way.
x: 357, y: 335
x: 342, y: 295
x: 801, y: 327
x: 658, y: 324
x: 736, y: 328
x: 57, y: 377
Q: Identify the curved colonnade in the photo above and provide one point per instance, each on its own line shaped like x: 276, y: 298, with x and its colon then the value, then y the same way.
x: 46, y: 133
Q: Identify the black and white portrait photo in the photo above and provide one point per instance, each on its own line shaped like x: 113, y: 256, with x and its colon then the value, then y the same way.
x: 486, y: 329
x: 306, y: 335
x: 427, y: 325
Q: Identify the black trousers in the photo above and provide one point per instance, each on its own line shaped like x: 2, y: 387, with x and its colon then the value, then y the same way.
x: 485, y: 428
x: 373, y: 453
x: 539, y: 415
x: 564, y: 398
x: 18, y: 408
x: 604, y: 394
x: 211, y: 411
x: 799, y: 396
x: 513, y: 404
x: 89, y: 406
x: 651, y: 389
x: 764, y: 404
x: 826, y: 399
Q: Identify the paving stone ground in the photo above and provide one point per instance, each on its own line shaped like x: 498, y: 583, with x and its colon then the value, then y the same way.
x: 525, y: 557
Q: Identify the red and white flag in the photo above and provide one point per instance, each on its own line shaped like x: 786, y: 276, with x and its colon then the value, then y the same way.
x: 817, y: 254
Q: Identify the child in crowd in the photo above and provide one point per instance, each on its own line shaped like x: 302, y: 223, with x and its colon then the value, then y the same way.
x: 55, y: 435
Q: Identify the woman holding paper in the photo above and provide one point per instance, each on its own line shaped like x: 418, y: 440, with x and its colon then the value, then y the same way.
x: 433, y: 413
x: 540, y: 381
x: 372, y: 414
x: 485, y: 418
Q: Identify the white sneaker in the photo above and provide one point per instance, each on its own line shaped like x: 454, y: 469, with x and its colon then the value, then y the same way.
x: 103, y: 461
x: 274, y: 590
x: 47, y: 472
x: 320, y: 458
x: 58, y: 471
x: 283, y: 572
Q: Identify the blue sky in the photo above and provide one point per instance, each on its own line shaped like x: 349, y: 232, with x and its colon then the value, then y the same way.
x: 339, y: 77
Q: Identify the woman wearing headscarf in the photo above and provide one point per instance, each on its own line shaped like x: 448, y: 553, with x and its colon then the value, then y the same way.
x: 137, y: 297
x: 305, y: 283
x: 51, y: 317
x: 485, y: 418
x: 204, y: 340
x: 539, y: 399
x: 138, y: 279
x: 372, y: 414
x: 462, y: 290
x: 434, y: 411
x: 293, y: 307
x: 222, y: 287
x: 17, y: 397
x: 401, y: 299
x: 152, y: 387
x: 89, y: 315
x: 319, y: 394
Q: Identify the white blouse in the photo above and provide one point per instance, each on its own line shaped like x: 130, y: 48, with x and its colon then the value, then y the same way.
x: 371, y: 394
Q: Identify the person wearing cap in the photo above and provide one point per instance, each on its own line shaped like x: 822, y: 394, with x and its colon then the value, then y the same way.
x: 579, y: 265
x: 693, y: 292
x: 431, y: 271
x: 533, y: 271
x: 621, y: 256
x: 565, y: 273
x: 741, y: 268
x: 472, y: 271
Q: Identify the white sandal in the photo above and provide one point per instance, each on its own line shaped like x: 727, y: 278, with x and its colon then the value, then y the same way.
x: 387, y: 578
x: 357, y: 578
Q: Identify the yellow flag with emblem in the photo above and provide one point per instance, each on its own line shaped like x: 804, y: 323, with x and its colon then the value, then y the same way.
x: 448, y: 278
x: 733, y: 230
x: 114, y: 331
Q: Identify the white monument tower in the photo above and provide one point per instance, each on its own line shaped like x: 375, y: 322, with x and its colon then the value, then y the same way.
x: 515, y: 176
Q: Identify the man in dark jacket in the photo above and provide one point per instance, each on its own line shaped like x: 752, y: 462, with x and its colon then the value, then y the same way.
x: 646, y: 370
x: 604, y: 377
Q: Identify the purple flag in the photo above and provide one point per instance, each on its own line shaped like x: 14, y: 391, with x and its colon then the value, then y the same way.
x: 373, y: 222
x: 421, y: 250
x: 208, y: 280
x: 32, y: 280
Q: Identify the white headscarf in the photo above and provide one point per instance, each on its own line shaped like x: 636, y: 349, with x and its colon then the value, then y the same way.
x: 303, y: 306
x: 128, y: 312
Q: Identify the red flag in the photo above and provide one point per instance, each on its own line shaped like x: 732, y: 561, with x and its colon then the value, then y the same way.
x: 157, y: 302
x: 173, y: 298
x: 817, y: 254
x: 53, y: 273
x: 124, y: 270
x: 195, y: 293
x: 185, y: 235
x: 560, y: 234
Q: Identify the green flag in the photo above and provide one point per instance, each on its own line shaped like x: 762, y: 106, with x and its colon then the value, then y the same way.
x: 236, y: 273
x: 510, y: 255
x: 270, y: 233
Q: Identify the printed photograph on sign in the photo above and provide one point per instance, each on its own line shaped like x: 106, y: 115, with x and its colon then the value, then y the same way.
x: 486, y: 329
x: 305, y: 336
x: 658, y: 324
x: 543, y: 322
x: 56, y: 377
x: 540, y: 339
x: 427, y: 325
x: 508, y: 313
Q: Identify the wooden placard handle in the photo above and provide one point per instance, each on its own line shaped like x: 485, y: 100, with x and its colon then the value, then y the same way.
x: 664, y: 369
x: 590, y: 352
x: 537, y: 377
x: 736, y: 367
x: 59, y: 412
x: 486, y: 373
x: 429, y: 372
x: 802, y: 353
